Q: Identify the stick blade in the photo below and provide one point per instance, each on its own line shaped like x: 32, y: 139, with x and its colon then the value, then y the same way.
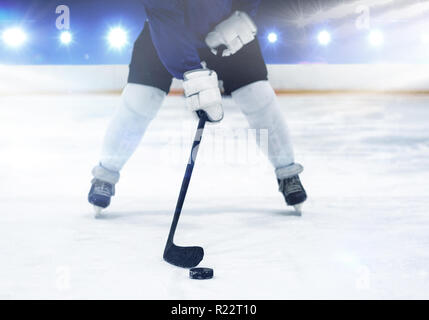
x: 184, y: 257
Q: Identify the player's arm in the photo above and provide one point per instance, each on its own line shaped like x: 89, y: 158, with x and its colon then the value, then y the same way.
x: 177, y: 51
x: 235, y: 32
x: 171, y: 38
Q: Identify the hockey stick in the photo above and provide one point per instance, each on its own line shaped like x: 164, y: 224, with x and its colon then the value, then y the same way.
x: 185, y: 257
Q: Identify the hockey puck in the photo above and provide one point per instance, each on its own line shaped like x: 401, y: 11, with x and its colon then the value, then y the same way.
x: 201, y: 273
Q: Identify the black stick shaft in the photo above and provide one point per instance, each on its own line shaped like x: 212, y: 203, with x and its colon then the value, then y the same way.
x: 187, y: 178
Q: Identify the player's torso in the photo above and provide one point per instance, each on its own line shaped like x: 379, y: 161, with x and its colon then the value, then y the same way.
x: 201, y: 16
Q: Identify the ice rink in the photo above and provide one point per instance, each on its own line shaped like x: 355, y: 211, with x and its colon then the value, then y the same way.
x: 364, y: 232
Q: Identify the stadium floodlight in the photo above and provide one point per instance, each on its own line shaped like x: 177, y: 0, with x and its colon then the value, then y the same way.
x: 66, y: 37
x: 376, y: 38
x: 14, y: 37
x: 272, y: 37
x: 117, y: 38
x: 324, y: 38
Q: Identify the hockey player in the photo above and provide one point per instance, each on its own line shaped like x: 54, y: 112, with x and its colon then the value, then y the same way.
x: 177, y: 37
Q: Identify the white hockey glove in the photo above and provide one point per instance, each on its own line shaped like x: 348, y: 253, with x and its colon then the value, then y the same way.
x: 202, y: 93
x: 233, y: 33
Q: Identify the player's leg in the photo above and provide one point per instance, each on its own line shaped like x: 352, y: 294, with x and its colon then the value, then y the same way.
x: 244, y: 76
x: 148, y: 84
x: 259, y: 104
x: 138, y: 107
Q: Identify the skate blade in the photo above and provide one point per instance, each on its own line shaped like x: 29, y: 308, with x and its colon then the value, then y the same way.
x: 97, y: 211
x: 298, y: 208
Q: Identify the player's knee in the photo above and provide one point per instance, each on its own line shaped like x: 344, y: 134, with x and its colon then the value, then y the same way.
x: 144, y: 101
x: 255, y: 98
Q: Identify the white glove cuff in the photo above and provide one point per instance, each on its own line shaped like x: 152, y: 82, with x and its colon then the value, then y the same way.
x: 199, y: 80
x: 235, y: 32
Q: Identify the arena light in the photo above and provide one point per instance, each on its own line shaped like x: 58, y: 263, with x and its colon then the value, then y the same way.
x: 66, y: 37
x: 376, y: 38
x: 14, y: 37
x: 117, y: 38
x: 272, y: 37
x: 324, y: 38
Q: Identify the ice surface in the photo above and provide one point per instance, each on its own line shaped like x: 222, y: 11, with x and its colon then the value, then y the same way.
x: 364, y: 232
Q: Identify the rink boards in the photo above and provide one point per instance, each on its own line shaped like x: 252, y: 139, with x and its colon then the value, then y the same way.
x: 401, y: 78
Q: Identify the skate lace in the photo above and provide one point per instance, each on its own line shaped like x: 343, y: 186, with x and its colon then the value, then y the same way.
x: 290, y: 185
x: 104, y: 188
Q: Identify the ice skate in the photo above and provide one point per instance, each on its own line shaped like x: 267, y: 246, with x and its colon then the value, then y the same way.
x: 100, y: 195
x: 293, y: 191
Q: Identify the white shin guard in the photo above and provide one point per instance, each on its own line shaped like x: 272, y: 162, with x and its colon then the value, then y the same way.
x: 139, y: 106
x: 259, y: 104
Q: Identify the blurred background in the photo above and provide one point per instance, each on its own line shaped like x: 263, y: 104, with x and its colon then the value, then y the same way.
x: 40, y: 32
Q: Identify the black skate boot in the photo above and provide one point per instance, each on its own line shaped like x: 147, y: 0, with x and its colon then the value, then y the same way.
x: 100, y: 194
x: 293, y: 191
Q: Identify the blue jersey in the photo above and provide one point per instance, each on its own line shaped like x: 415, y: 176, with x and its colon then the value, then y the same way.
x: 179, y: 27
